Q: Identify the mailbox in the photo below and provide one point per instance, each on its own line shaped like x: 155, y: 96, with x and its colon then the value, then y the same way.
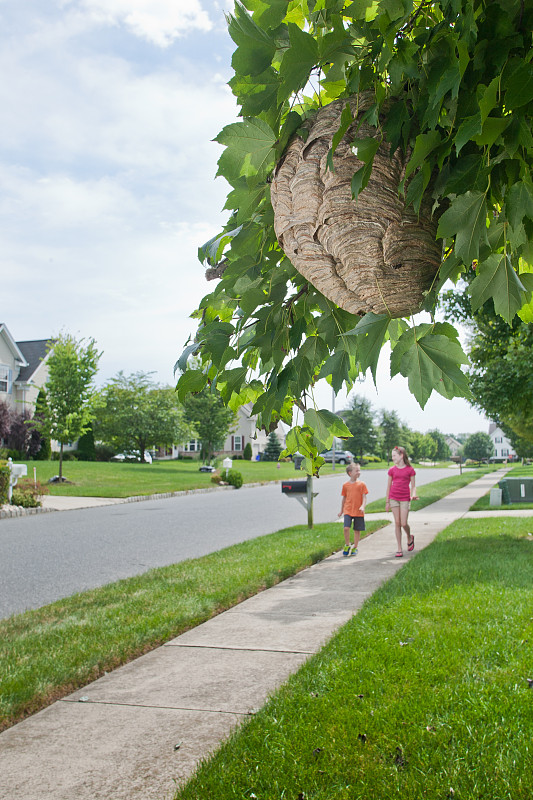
x: 294, y: 487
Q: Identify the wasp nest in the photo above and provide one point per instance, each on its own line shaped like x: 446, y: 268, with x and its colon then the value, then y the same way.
x: 372, y: 254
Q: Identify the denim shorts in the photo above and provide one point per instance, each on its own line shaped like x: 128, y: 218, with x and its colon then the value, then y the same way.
x: 358, y: 522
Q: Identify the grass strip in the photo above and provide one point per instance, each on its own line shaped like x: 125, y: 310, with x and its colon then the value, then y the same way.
x: 432, y: 492
x: 423, y: 694
x: 48, y: 652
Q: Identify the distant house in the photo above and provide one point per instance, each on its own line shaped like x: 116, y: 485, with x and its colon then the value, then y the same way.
x: 453, y: 444
x: 503, y: 448
x: 245, y: 431
x: 23, y: 370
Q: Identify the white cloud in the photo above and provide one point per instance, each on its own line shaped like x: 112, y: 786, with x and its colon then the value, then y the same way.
x: 159, y: 21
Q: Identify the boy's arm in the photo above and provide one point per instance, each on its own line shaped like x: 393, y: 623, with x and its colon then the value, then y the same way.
x: 341, y: 512
x: 363, y: 504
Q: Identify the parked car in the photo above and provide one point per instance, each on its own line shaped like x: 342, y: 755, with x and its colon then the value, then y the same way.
x: 132, y: 457
x: 341, y: 456
x: 206, y: 468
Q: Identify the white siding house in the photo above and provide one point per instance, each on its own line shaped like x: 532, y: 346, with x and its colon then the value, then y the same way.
x: 503, y: 448
x: 23, y: 370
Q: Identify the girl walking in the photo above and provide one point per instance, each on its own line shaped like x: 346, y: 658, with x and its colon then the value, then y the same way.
x: 400, y: 491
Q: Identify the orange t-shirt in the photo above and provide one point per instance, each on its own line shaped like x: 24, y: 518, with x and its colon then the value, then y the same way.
x: 353, y: 492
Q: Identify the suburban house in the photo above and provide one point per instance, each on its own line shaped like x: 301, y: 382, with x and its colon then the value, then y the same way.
x: 23, y: 370
x: 503, y: 448
x: 453, y: 444
x: 244, y: 432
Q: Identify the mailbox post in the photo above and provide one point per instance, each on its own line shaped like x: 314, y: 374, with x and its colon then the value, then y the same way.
x: 303, y: 492
x: 16, y: 471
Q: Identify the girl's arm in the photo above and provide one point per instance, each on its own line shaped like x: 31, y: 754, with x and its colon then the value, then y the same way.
x: 387, y: 494
x: 413, y: 489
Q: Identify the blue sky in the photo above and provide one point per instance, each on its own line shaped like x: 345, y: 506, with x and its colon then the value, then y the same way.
x: 108, y: 172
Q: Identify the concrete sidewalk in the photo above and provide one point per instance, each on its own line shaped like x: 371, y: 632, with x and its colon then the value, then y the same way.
x: 141, y: 729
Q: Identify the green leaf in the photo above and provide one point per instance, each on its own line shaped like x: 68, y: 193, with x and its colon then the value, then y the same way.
x: 429, y: 361
x: 519, y: 203
x: 314, y: 350
x: 489, y: 99
x: 326, y: 426
x: 336, y: 369
x: 365, y: 149
x: 425, y: 143
x: 211, y: 251
x: 346, y: 121
x: 255, y: 49
x: 497, y: 280
x: 249, y: 148
x: 466, y: 219
x: 245, y: 199
x: 181, y: 363
x: 519, y: 87
x: 492, y: 129
x: 470, y: 127
x: 191, y: 381
x: 360, y: 180
x: 297, y: 62
x: 370, y: 332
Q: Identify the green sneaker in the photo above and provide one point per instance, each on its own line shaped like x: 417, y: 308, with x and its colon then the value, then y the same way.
x: 353, y: 550
x: 346, y: 551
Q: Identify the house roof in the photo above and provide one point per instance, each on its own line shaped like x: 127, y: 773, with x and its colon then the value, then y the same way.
x: 13, y: 346
x: 34, y: 352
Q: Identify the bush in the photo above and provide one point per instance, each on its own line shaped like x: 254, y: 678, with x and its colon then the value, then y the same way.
x: 247, y: 452
x: 27, y: 494
x: 234, y: 478
x: 4, y: 482
x: 216, y: 477
x: 104, y: 452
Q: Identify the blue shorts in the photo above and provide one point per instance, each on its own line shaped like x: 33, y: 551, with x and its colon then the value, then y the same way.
x: 358, y: 522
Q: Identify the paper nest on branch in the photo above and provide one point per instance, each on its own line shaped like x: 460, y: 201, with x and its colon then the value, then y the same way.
x: 369, y: 254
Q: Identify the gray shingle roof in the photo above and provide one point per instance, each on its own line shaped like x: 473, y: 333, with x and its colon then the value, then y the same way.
x: 33, y: 352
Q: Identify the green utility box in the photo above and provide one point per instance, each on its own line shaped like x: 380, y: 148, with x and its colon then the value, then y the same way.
x: 516, y: 490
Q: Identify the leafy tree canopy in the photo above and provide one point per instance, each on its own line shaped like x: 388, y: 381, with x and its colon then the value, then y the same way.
x: 359, y: 418
x: 211, y: 420
x: 134, y: 413
x: 478, y: 447
x: 72, y: 366
x: 455, y: 79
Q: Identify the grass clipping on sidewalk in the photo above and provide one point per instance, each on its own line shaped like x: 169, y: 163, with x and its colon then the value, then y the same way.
x: 426, y: 693
x: 47, y: 653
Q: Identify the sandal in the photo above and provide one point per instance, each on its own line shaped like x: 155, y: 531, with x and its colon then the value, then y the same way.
x: 399, y: 554
x: 411, y: 544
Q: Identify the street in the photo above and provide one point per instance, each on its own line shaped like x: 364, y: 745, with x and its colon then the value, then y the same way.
x: 45, y: 557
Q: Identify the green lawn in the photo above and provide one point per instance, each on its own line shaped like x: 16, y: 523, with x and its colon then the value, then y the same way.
x: 109, y: 479
x: 49, y: 652
x: 424, y: 694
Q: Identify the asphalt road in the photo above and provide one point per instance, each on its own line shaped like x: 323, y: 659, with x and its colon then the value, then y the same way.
x: 45, y: 557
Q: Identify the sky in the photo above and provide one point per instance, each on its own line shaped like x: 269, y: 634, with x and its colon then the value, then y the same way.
x: 108, y: 168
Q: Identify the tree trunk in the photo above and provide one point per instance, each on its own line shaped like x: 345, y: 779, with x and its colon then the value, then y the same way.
x: 61, y: 462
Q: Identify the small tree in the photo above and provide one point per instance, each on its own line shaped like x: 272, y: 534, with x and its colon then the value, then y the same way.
x: 39, y: 447
x: 391, y: 432
x: 247, y: 452
x: 5, y: 420
x: 443, y: 451
x: 359, y: 418
x: 273, y: 448
x: 86, y: 449
x: 20, y: 432
x: 72, y: 366
x: 478, y: 447
x: 135, y: 413
x: 211, y: 420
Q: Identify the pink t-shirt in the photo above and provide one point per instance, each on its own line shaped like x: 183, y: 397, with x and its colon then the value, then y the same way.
x: 401, y: 479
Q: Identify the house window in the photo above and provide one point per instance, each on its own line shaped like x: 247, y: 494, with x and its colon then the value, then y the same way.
x: 5, y: 379
x: 238, y: 443
x: 505, y: 452
x: 498, y: 439
x: 193, y: 446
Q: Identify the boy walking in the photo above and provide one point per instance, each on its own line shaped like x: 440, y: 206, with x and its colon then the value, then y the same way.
x: 354, y: 494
